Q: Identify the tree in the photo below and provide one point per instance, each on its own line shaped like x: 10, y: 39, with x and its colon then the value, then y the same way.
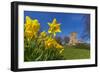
x: 86, y: 31
x: 66, y: 39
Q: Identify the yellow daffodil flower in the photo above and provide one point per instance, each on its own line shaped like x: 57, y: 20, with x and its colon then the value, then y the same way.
x: 49, y: 43
x: 31, y: 27
x: 54, y: 27
x: 43, y: 34
x: 35, y: 25
x: 42, y: 37
x: 59, y: 47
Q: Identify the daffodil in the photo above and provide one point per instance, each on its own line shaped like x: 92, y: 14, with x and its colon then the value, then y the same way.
x: 59, y: 47
x: 50, y: 42
x: 31, y: 27
x: 43, y: 34
x: 54, y: 27
x: 42, y: 37
x: 35, y: 25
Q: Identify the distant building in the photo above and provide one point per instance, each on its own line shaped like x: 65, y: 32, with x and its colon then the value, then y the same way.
x: 73, y: 39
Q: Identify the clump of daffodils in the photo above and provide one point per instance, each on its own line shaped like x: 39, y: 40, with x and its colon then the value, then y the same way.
x: 52, y: 43
x: 31, y: 28
x: 41, y: 45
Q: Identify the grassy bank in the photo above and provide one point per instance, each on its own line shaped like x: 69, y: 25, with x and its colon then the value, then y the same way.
x: 71, y: 52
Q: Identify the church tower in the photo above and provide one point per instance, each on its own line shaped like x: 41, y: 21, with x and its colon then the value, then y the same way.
x: 73, y: 39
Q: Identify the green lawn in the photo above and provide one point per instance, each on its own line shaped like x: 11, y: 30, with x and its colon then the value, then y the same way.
x: 76, y: 53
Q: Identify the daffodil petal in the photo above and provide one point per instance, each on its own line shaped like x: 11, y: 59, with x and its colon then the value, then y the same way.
x: 49, y: 31
x: 54, y: 21
x: 54, y: 34
x: 28, y: 20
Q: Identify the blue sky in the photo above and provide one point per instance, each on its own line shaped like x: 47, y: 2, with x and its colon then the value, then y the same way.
x: 70, y: 22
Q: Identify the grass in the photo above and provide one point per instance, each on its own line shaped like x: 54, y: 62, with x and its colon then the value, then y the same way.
x: 79, y: 51
x: 72, y: 52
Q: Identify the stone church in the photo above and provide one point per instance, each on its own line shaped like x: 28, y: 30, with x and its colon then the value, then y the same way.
x: 73, y: 38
